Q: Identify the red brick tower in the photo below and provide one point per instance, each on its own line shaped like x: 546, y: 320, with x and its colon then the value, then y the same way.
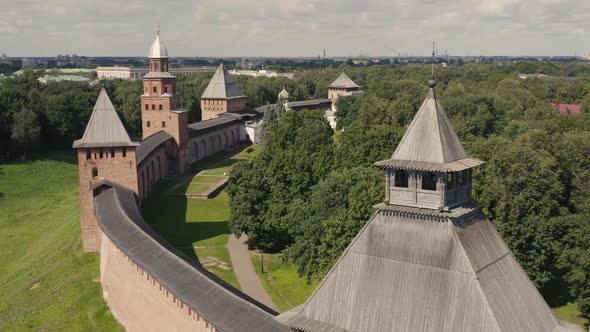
x: 160, y: 105
x: 105, y: 155
x: 221, y: 95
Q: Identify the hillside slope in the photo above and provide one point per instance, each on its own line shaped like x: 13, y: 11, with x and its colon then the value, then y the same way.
x: 46, y: 282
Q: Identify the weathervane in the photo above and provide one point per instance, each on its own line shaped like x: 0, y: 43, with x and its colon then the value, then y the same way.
x: 433, y: 59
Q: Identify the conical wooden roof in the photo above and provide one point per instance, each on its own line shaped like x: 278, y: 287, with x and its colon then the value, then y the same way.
x: 104, y: 128
x: 222, y: 86
x: 430, y: 143
x: 343, y: 81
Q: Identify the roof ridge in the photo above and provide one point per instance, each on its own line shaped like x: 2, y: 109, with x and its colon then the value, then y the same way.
x: 482, y: 294
x: 413, y: 263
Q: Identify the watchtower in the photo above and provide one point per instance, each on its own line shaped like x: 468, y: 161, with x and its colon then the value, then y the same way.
x: 105, y: 155
x: 342, y: 86
x: 221, y: 95
x: 429, y: 168
x: 160, y: 104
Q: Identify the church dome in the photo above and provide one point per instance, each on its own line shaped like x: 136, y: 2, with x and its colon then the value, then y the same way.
x: 283, y: 94
x: 158, y: 49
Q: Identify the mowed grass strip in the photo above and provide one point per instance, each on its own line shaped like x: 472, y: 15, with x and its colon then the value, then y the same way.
x: 46, y: 282
x: 281, y: 281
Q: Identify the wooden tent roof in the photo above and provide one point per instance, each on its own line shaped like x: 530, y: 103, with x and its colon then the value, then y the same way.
x: 222, y: 86
x: 343, y: 81
x: 104, y: 128
x: 430, y: 143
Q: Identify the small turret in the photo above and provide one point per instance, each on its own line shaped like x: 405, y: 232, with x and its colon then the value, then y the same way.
x: 283, y: 95
x: 429, y: 168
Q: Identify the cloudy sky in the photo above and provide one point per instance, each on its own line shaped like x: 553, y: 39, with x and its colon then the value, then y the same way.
x: 295, y: 27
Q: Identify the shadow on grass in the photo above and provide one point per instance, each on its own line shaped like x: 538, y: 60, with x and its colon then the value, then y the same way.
x: 167, y: 215
x: 556, y: 293
x: 219, y: 159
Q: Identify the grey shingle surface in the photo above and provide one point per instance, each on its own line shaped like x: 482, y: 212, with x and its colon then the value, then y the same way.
x: 104, y: 129
x: 222, y: 86
x: 311, y: 102
x: 430, y: 143
x: 343, y: 81
x: 225, y: 307
x: 151, y: 143
x: 408, y: 272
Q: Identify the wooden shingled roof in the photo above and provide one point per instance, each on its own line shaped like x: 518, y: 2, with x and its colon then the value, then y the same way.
x: 430, y: 143
x: 222, y: 86
x: 404, y: 272
x: 343, y: 81
x: 104, y: 128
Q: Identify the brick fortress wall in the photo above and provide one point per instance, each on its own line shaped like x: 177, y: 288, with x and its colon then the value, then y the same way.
x: 116, y: 165
x: 211, y: 108
x: 135, y: 297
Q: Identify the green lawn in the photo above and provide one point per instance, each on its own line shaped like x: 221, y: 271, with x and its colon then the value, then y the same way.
x: 206, y: 174
x: 46, y: 282
x: 196, y: 226
x: 281, y: 281
x: 249, y: 152
x: 570, y: 313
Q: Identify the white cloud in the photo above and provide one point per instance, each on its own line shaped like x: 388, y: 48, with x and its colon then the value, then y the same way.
x: 296, y: 27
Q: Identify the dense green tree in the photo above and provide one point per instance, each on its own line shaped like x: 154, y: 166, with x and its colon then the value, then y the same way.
x: 296, y: 154
x: 348, y: 107
x: 26, y: 130
x: 323, y: 223
x: 575, y: 259
x: 520, y: 189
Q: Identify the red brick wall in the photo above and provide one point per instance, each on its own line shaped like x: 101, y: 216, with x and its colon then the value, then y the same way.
x: 117, y: 169
x: 206, y: 144
x: 211, y: 108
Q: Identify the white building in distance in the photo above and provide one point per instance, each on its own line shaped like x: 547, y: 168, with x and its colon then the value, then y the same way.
x: 130, y: 73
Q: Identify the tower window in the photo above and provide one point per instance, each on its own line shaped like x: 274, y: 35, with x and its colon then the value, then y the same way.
x: 165, y: 89
x: 163, y: 124
x: 100, y: 153
x: 124, y: 152
x: 450, y: 181
x: 88, y: 154
x: 153, y: 107
x: 112, y: 152
x: 428, y: 181
x: 147, y: 107
x: 401, y: 179
x: 155, y: 90
x: 94, y: 172
x: 462, y: 178
x: 148, y: 124
x: 160, y: 107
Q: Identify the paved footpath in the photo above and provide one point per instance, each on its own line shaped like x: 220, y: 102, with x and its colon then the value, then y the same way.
x: 244, y: 270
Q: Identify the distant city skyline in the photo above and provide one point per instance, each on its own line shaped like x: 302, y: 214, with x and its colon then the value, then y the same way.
x: 296, y: 28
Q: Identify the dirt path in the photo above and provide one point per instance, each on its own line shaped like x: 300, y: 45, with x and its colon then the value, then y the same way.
x: 244, y: 270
